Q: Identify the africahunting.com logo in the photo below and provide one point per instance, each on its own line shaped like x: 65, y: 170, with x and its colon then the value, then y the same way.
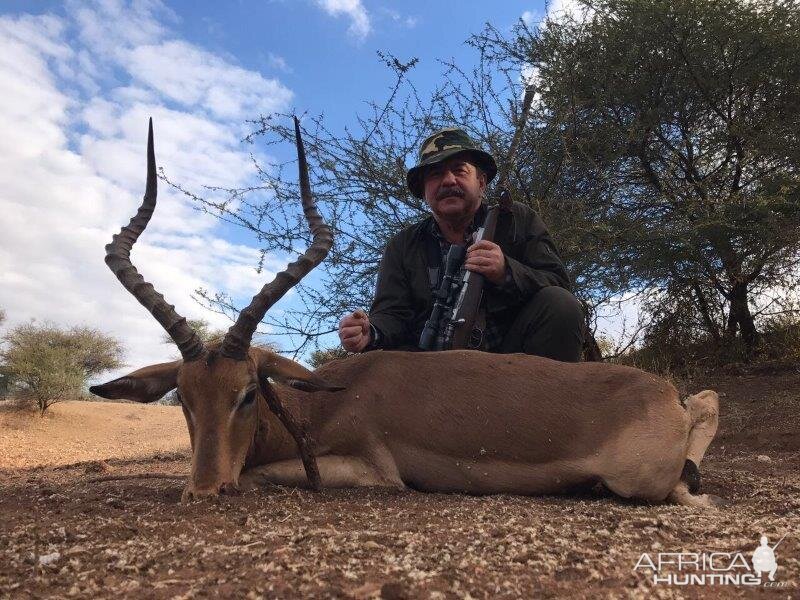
x: 713, y: 568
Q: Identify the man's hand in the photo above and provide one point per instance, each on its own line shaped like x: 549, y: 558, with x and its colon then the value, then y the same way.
x: 354, y: 331
x: 487, y: 258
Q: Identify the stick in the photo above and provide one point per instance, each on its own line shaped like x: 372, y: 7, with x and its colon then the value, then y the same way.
x: 134, y: 476
x: 298, y: 433
x: 779, y: 541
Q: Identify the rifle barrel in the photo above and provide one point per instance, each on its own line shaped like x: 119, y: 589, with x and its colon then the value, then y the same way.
x: 530, y: 92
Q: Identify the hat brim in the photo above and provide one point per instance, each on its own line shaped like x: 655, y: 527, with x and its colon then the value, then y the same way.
x: 416, y: 174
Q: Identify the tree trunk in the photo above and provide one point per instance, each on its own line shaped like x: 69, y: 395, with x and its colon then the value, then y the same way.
x: 740, y: 313
x: 705, y: 313
x: 591, y: 351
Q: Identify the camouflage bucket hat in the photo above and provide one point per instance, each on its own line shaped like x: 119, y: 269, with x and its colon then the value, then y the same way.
x: 442, y: 145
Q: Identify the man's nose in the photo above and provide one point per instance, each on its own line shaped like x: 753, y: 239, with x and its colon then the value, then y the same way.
x: 448, y: 177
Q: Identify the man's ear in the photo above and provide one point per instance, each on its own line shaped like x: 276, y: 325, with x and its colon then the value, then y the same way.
x: 482, y: 180
x: 289, y: 372
x: 145, y: 385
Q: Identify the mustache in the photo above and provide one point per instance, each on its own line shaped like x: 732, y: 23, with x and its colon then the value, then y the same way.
x: 453, y: 190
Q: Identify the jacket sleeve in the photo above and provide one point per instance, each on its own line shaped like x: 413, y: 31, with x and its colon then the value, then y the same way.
x: 392, y: 309
x: 535, y: 263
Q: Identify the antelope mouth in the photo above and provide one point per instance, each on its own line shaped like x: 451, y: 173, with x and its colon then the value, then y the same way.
x: 191, y: 493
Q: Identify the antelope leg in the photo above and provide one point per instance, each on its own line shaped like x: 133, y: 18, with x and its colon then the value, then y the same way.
x: 335, y: 471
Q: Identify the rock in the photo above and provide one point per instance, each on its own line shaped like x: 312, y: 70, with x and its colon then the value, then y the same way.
x: 115, y: 502
x: 763, y: 458
x: 49, y: 559
x: 77, y: 549
x: 98, y: 466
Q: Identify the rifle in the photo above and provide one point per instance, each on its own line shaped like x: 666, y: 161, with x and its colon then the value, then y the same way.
x: 459, y: 327
x: 443, y: 297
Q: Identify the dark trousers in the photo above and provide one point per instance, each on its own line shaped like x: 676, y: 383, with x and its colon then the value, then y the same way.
x: 551, y: 324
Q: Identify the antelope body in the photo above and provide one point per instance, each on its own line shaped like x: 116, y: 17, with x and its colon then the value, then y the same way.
x: 415, y: 420
x: 456, y: 421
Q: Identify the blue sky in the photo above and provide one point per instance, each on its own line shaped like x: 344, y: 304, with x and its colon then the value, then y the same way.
x: 80, y: 80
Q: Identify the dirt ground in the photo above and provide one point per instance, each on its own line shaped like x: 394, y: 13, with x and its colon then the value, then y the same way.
x: 62, y: 535
x: 76, y: 432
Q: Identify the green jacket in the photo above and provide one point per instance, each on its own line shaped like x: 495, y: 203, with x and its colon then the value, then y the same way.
x: 403, y: 300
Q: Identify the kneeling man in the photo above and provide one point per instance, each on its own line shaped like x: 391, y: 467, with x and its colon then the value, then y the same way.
x: 527, y: 305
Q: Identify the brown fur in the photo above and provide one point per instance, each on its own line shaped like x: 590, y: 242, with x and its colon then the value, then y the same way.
x: 447, y: 421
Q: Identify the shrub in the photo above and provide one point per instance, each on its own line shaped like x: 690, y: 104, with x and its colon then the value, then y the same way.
x: 47, y: 363
x: 325, y: 355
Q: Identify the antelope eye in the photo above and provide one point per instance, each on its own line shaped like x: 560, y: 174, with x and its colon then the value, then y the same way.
x: 249, y: 397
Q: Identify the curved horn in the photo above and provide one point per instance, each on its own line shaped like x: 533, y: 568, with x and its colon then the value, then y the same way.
x: 118, y: 259
x: 237, y: 340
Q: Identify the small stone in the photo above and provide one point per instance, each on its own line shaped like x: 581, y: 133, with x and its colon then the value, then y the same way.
x: 77, y: 549
x: 115, y: 503
x: 49, y: 559
x: 97, y: 466
x: 763, y: 458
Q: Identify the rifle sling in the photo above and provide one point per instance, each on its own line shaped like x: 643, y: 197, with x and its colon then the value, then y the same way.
x: 433, y: 256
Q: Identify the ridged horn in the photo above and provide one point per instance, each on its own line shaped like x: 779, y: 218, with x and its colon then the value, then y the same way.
x: 237, y: 340
x: 118, y: 259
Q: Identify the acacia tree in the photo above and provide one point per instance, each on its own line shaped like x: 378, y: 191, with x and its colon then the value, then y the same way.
x: 684, y: 119
x: 203, y: 330
x: 5, y: 373
x: 48, y: 364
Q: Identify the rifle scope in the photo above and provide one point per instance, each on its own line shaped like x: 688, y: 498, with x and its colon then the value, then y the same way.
x: 455, y: 258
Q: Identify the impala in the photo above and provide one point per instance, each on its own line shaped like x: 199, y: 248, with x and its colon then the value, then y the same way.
x: 456, y: 421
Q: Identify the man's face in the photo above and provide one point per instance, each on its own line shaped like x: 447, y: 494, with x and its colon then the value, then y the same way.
x: 454, y: 188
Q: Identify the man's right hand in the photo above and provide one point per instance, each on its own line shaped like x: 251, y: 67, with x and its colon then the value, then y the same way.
x: 354, y: 331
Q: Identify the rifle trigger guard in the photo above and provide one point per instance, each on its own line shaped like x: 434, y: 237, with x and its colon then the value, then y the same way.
x: 475, y: 338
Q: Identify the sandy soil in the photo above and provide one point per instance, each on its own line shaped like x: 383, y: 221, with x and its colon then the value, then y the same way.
x: 62, y: 535
x: 72, y: 432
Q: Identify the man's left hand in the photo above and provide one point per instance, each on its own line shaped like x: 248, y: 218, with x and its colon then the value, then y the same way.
x: 487, y: 258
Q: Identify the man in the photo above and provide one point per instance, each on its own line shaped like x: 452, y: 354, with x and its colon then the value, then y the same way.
x: 526, y: 307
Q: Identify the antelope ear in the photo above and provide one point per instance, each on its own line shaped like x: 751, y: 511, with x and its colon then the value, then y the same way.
x: 145, y: 385
x: 290, y: 373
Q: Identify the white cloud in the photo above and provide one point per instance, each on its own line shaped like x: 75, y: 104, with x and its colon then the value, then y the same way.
x: 195, y: 78
x: 278, y: 62
x: 77, y: 92
x: 111, y: 27
x: 360, y: 25
x: 409, y: 21
x: 530, y: 18
x: 557, y: 9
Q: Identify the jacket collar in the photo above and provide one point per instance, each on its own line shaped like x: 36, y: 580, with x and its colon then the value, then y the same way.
x: 432, y: 227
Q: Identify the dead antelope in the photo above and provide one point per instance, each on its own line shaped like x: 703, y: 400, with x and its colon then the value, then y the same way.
x: 457, y: 421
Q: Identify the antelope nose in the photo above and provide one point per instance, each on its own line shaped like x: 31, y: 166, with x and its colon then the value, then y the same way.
x: 193, y: 493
